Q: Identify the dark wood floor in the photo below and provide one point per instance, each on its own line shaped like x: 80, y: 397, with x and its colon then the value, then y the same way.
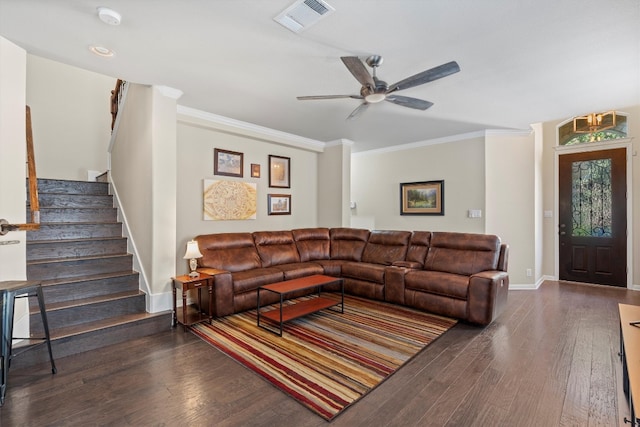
x: 549, y: 360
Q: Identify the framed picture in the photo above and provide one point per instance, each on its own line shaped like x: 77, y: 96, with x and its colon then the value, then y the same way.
x: 279, y: 204
x: 228, y: 163
x: 422, y: 198
x: 279, y: 172
x: 255, y: 170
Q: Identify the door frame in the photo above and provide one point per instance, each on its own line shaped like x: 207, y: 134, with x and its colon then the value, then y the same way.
x: 583, y: 148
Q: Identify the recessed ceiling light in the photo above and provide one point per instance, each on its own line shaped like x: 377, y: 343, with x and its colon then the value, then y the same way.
x: 102, y: 51
x: 109, y: 16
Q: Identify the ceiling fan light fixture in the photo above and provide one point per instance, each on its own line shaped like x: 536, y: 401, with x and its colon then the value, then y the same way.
x: 374, y: 98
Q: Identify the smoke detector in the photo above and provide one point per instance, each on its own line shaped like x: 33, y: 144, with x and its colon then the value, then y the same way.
x: 302, y: 14
x: 109, y: 16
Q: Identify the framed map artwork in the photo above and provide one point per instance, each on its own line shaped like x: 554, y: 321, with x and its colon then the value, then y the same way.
x: 228, y: 200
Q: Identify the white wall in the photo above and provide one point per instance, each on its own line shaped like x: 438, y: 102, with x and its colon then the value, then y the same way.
x: 196, y: 142
x: 12, y: 171
x: 143, y: 177
x: 334, y: 176
x: 376, y: 176
x: 511, y: 200
x: 71, y: 117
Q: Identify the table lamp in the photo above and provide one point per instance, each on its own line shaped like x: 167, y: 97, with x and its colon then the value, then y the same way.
x: 192, y: 253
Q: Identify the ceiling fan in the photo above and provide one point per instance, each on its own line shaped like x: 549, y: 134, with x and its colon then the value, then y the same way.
x: 374, y: 90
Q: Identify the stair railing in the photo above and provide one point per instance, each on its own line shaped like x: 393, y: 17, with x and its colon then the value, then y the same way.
x: 34, y: 204
x: 116, y: 97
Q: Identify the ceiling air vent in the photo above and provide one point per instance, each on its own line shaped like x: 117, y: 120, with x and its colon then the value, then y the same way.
x: 303, y: 14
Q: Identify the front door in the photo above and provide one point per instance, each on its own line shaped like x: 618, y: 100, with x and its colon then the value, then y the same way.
x: 593, y: 217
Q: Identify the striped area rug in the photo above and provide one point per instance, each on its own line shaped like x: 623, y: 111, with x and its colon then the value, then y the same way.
x: 328, y: 360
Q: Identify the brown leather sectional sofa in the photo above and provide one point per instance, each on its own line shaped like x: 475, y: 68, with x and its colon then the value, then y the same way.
x: 459, y: 275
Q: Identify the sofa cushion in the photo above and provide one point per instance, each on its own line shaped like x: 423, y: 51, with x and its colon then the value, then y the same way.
x: 462, y: 253
x: 299, y: 269
x: 438, y: 283
x: 385, y: 247
x: 418, y: 248
x: 348, y: 243
x: 228, y: 251
x: 276, y: 247
x: 331, y: 267
x: 250, y: 280
x: 364, y: 271
x: 312, y: 243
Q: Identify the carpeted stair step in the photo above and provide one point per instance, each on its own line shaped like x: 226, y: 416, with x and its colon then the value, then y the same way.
x: 47, y: 249
x: 48, y: 269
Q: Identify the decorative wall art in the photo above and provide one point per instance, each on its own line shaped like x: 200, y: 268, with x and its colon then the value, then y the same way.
x: 228, y: 163
x: 279, y: 172
x: 255, y: 170
x: 279, y: 204
x: 422, y: 198
x: 225, y: 200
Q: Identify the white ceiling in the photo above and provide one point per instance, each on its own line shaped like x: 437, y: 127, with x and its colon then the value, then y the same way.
x: 521, y: 62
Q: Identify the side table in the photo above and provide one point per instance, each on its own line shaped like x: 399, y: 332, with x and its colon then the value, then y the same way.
x: 190, y: 315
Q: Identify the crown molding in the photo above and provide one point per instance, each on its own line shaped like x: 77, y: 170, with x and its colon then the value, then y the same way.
x: 448, y: 139
x: 418, y: 144
x: 196, y: 117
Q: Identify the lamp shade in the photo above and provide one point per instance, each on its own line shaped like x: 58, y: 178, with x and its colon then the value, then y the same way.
x: 192, y: 250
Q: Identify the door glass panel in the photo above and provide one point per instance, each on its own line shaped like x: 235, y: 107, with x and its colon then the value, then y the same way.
x: 591, y: 198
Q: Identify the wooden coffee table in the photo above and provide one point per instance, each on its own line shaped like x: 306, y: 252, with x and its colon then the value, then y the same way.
x: 301, y: 308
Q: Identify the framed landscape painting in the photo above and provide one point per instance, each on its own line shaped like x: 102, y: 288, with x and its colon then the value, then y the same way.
x: 422, y: 198
x: 228, y: 163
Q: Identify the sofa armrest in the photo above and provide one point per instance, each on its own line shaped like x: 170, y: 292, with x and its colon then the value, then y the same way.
x: 222, y: 291
x: 408, y: 264
x: 487, y: 296
x: 394, y: 284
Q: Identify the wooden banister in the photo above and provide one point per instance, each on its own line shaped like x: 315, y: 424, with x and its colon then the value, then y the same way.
x: 34, y: 203
x: 115, y: 102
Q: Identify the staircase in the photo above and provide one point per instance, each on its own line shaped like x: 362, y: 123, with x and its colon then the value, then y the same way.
x: 91, y: 292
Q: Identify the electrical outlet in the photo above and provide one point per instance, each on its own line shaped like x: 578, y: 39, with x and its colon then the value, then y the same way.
x: 529, y: 272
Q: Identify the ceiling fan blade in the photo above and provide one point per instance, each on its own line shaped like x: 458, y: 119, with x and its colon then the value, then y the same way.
x: 359, y: 71
x: 426, y: 76
x: 405, y: 101
x: 304, y: 98
x: 359, y: 110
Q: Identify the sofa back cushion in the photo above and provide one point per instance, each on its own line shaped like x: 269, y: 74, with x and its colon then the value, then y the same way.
x: 385, y: 247
x: 228, y: 251
x: 418, y: 247
x: 276, y: 247
x: 463, y: 253
x: 348, y: 243
x: 312, y: 243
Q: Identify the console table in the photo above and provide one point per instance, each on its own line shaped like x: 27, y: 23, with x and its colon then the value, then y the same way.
x: 630, y: 355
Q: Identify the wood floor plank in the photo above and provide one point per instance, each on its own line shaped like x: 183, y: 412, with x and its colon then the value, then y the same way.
x: 551, y: 355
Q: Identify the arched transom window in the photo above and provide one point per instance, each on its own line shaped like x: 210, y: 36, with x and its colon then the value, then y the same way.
x: 593, y: 127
